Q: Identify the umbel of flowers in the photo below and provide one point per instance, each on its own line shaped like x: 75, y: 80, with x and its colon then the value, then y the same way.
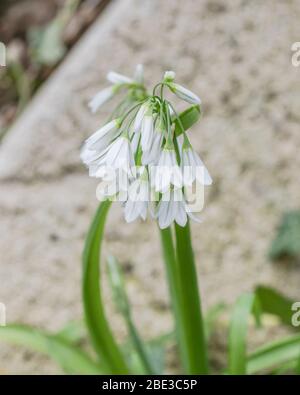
x: 141, y: 160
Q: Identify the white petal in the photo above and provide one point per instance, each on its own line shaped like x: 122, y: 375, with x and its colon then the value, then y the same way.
x: 117, y: 78
x: 169, y: 160
x: 147, y: 132
x: 188, y: 167
x: 206, y: 179
x: 92, y: 157
x: 104, y: 141
x: 194, y: 217
x: 171, y: 212
x: 139, y: 74
x: 163, y: 215
x: 129, y: 211
x: 176, y: 178
x: 167, y: 210
x: 152, y: 155
x: 100, y: 98
x: 114, y: 152
x: 162, y: 178
x: 93, y: 170
x: 167, y: 171
x: 139, y: 117
x: 169, y: 75
x: 135, y: 141
x: 119, y: 155
x: 185, y: 94
x: 152, y: 210
x: 87, y: 155
x: 144, y: 191
x: 181, y: 217
x: 108, y: 187
x: 112, y: 125
x: 144, y: 212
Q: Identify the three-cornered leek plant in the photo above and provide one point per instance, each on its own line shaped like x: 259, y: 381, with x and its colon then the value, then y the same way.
x: 144, y: 159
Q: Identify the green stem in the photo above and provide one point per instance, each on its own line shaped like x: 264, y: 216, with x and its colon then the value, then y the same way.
x: 142, y: 352
x: 174, y: 289
x: 97, y: 324
x: 190, y: 312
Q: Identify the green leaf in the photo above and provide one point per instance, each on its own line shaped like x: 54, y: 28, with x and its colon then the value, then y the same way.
x: 272, y: 302
x: 122, y: 303
x: 157, y: 353
x: 156, y: 349
x: 187, y: 119
x: 274, y: 354
x: 238, y: 334
x: 265, y: 300
x: 47, y: 44
x: 287, y: 241
x: 211, y: 317
x: 68, y: 357
x: 73, y: 332
x: 257, y: 311
x: 99, y: 330
x: 163, y: 339
x: 118, y: 286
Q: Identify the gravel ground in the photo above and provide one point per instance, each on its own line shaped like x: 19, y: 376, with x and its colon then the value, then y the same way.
x: 236, y: 55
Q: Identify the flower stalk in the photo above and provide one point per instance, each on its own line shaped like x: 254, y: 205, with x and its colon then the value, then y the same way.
x: 174, y: 290
x: 141, y: 147
x: 190, y: 313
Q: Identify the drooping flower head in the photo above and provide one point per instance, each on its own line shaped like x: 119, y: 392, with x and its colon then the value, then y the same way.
x: 145, y: 144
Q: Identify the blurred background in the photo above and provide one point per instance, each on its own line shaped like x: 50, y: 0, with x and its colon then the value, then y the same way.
x: 237, y: 56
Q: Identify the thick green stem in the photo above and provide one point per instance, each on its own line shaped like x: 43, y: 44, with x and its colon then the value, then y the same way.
x: 175, y: 292
x: 190, y: 312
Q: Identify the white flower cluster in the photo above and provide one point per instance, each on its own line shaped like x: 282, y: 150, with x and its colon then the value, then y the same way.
x: 138, y: 154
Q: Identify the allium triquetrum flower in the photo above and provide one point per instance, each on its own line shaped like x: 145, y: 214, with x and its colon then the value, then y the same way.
x: 173, y: 207
x: 192, y: 166
x: 167, y: 171
x: 138, y: 197
x: 143, y: 135
x: 179, y: 90
x: 119, y: 81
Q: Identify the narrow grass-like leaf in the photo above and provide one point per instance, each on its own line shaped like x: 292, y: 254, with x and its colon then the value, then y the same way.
x: 287, y: 241
x: 73, y: 332
x: 70, y: 358
x: 122, y: 303
x: 273, y: 302
x: 238, y: 334
x: 99, y: 330
x: 274, y: 354
x: 211, y: 318
x: 257, y: 311
x: 187, y: 119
